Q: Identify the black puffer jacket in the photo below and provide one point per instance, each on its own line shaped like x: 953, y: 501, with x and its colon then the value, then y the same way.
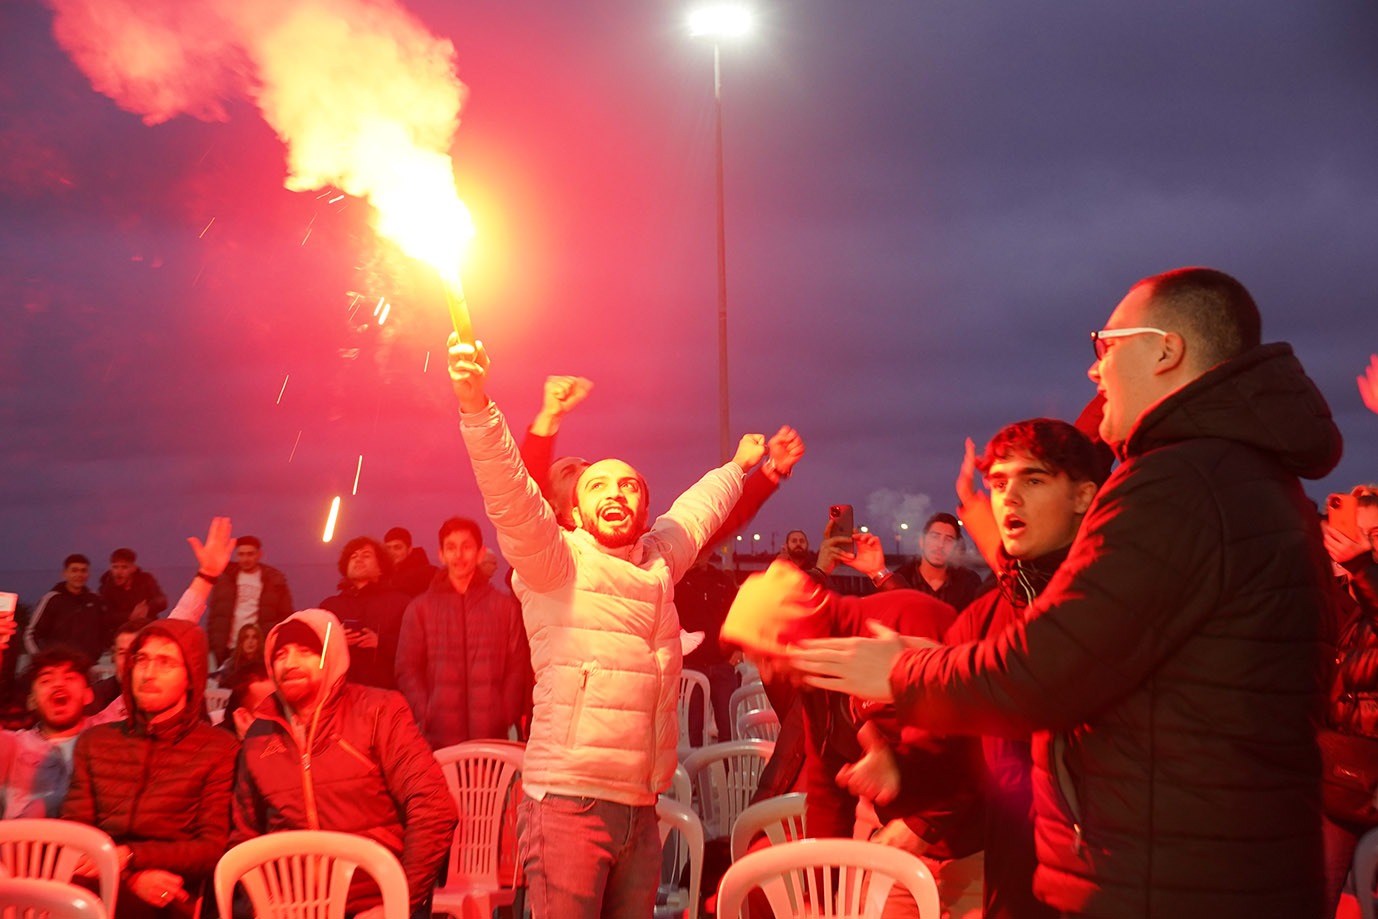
x: 1174, y: 668
x: 163, y: 790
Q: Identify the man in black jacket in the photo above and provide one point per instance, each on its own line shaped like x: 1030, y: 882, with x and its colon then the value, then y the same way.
x: 1172, y: 671
x: 69, y: 614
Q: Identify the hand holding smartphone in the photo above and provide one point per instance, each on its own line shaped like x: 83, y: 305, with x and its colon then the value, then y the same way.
x: 841, y: 522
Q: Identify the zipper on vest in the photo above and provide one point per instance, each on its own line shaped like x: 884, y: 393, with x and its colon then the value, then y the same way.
x: 584, y: 670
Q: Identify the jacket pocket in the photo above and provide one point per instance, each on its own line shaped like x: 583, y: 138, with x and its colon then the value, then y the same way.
x: 580, y: 693
x: 1066, y: 791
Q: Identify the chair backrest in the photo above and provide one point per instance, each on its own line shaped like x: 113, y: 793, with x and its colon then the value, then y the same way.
x: 692, y: 682
x: 681, y: 789
x: 674, y: 816
x: 762, y: 724
x: 780, y: 818
x: 1365, y: 864
x: 725, y: 776
x: 32, y: 898
x: 47, y: 849
x: 749, y: 697
x: 216, y: 699
x: 835, y: 878
x: 305, y: 874
x: 484, y: 779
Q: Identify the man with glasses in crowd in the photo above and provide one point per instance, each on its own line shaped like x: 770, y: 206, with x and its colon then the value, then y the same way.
x: 1172, y: 671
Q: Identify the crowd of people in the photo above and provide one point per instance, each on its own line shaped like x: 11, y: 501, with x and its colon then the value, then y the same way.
x: 1132, y: 716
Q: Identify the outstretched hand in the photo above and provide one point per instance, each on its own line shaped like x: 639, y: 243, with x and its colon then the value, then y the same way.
x: 1368, y: 384
x: 469, y: 373
x: 967, y: 488
x: 214, y: 554
x: 856, y: 666
x: 750, y: 449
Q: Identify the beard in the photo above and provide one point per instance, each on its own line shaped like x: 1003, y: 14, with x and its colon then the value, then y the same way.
x: 610, y: 538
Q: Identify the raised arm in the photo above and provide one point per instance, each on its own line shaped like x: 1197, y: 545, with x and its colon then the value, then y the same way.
x: 528, y: 534
x: 559, y: 396
x: 211, y: 558
x: 681, y: 532
x: 782, y: 452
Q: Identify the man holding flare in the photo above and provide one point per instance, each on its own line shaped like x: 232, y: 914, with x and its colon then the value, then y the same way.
x: 597, y: 604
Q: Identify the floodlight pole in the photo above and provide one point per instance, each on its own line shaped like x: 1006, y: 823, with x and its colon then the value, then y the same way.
x: 724, y: 411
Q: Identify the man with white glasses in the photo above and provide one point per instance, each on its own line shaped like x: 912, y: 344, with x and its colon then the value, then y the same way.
x: 1172, y: 670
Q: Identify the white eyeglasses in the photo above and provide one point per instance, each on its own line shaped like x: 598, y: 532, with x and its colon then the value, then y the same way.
x: 1098, y: 339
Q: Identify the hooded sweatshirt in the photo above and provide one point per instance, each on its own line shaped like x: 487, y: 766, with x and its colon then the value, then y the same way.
x: 353, y: 763
x: 161, y: 789
x: 1172, y: 672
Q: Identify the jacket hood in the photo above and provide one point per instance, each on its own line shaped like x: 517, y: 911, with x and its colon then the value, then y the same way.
x: 334, y: 650
x: 195, y: 652
x: 1263, y: 399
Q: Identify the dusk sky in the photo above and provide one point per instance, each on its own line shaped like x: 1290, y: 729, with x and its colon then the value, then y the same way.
x: 929, y: 207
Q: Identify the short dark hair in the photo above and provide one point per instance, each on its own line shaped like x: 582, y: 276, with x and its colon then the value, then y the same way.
x: 131, y: 627
x: 461, y: 525
x: 1215, y: 308
x: 242, y: 680
x: 57, y: 656
x: 357, y: 543
x: 124, y: 555
x: 944, y: 517
x: 1056, y: 444
x: 401, y: 534
x: 249, y: 541
x: 76, y: 558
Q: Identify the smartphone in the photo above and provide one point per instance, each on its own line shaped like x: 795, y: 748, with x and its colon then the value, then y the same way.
x: 352, y: 625
x: 1341, y: 512
x: 841, y: 522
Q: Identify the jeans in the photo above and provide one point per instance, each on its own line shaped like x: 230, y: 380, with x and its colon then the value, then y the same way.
x: 587, y: 858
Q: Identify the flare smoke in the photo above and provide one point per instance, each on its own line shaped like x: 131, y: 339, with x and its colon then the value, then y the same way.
x: 363, y: 96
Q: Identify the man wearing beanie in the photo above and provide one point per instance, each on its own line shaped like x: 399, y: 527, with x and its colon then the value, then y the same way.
x: 324, y: 754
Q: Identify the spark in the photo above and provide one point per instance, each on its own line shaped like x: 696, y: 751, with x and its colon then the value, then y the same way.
x: 334, y: 199
x: 326, y: 642
x: 357, y: 470
x: 207, y: 227
x: 329, y: 533
x: 354, y: 306
x: 425, y: 368
x: 294, y: 447
x: 308, y: 229
x: 383, y: 317
x: 379, y: 306
x: 284, y: 388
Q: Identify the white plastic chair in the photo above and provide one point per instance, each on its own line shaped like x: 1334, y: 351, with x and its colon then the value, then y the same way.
x: 484, y: 779
x: 835, y: 878
x: 674, y: 816
x: 34, y: 898
x: 305, y: 874
x: 692, y: 682
x: 681, y: 789
x: 762, y: 724
x: 725, y: 776
x: 780, y: 818
x: 1365, y: 865
x: 216, y: 700
x: 749, y: 697
x: 47, y: 849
